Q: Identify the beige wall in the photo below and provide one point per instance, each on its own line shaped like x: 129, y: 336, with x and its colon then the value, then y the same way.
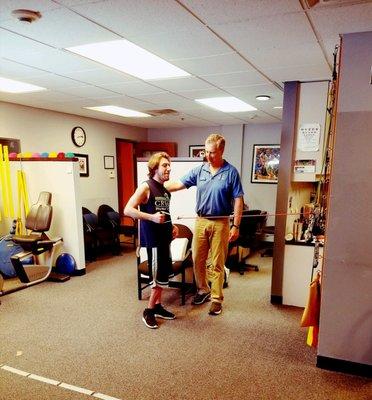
x: 43, y: 130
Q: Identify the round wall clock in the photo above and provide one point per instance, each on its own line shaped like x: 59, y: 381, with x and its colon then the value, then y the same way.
x: 78, y: 136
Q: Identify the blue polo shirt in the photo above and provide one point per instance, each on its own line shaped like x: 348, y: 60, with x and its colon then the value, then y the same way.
x: 215, y: 194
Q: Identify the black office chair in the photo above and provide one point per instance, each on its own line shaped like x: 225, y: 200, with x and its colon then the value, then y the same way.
x: 109, y: 219
x: 96, y: 237
x: 249, y: 238
x: 181, y: 262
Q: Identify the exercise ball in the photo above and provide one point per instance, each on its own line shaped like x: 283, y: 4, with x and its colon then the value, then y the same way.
x: 65, y: 264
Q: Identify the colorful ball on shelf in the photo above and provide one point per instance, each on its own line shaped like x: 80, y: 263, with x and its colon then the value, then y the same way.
x: 44, y: 154
x: 61, y: 154
x: 35, y: 155
x: 52, y: 154
x: 27, y: 154
x: 12, y: 155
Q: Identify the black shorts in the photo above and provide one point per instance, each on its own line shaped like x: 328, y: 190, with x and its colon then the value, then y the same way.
x: 160, y: 265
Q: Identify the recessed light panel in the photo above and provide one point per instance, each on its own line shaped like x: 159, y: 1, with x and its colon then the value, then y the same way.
x: 123, y: 112
x: 127, y: 57
x: 12, y: 86
x: 226, y: 104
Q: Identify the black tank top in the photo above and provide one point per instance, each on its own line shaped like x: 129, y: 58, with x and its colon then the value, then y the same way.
x: 151, y: 233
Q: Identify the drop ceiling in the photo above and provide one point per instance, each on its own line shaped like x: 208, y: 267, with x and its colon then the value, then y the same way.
x: 240, y: 48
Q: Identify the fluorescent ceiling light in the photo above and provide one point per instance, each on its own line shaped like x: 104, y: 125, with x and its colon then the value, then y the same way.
x: 263, y: 97
x: 278, y: 107
x: 11, y: 86
x: 123, y: 112
x: 226, y: 104
x: 129, y: 58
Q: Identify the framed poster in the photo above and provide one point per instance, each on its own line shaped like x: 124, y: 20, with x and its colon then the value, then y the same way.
x: 109, y: 162
x: 83, y: 162
x: 197, y: 151
x: 265, y: 163
x: 14, y: 145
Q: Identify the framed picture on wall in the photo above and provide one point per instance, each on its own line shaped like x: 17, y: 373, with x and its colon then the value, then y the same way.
x: 109, y: 162
x: 83, y: 162
x: 14, y: 145
x: 197, y: 151
x: 265, y: 163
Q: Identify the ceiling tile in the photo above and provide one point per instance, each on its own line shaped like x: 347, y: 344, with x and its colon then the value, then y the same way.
x: 129, y: 18
x: 134, y: 88
x: 226, y: 11
x: 13, y: 70
x: 56, y: 61
x: 88, y: 91
x: 198, y: 42
x: 302, y: 73
x: 54, y: 82
x: 263, y: 32
x: 200, y: 94
x: 296, y: 54
x: 215, y: 64
x: 100, y: 76
x: 329, y: 23
x: 12, y: 44
x: 179, y: 84
x: 61, y: 28
x: 235, y: 79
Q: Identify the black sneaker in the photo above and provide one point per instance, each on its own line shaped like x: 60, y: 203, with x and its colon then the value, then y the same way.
x: 161, y: 312
x: 149, y: 318
x: 200, y: 298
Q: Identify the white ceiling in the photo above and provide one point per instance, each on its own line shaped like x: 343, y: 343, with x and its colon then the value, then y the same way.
x: 230, y: 47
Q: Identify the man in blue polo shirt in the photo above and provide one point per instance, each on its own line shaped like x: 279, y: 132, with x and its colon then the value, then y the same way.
x: 219, y: 193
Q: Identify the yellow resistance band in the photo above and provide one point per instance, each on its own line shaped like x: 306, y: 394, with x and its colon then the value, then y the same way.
x: 4, y: 181
x: 9, y: 183
x: 22, y: 197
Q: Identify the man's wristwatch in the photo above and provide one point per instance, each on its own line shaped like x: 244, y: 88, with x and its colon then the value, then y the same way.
x: 236, y: 226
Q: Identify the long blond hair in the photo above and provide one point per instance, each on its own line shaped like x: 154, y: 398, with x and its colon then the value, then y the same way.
x: 154, y: 162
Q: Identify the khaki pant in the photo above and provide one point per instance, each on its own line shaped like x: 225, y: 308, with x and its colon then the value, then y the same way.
x: 210, y: 235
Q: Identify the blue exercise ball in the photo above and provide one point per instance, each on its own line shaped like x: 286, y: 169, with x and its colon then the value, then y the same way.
x: 65, y: 264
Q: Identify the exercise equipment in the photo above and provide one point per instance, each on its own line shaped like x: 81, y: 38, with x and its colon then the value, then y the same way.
x: 65, y: 264
x: 36, y: 244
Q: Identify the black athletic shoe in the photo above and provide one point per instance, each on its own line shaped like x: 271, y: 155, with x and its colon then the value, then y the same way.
x: 161, y: 312
x: 149, y: 318
x: 201, y: 298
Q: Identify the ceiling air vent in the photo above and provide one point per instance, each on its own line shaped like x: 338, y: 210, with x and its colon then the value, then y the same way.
x: 165, y: 111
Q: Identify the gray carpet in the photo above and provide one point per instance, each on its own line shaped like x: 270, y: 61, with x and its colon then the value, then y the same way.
x: 88, y: 332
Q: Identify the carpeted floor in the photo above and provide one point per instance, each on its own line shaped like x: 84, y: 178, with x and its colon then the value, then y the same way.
x: 88, y: 332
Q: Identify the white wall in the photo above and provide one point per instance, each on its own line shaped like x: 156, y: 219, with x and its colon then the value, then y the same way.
x: 196, y: 136
x: 239, y: 147
x: 260, y: 196
x: 43, y: 130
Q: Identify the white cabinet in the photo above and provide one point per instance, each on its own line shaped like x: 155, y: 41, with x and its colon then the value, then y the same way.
x: 298, y: 264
